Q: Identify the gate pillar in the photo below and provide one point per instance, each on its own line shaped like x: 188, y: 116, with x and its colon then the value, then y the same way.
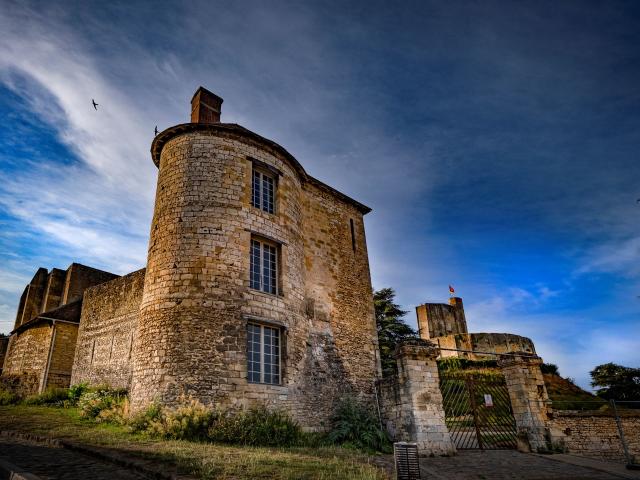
x: 414, y: 408
x: 529, y: 399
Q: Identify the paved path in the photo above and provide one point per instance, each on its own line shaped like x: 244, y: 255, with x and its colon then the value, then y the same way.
x: 512, y: 465
x: 50, y: 463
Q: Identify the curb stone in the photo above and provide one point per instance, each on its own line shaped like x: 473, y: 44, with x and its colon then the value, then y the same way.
x: 12, y: 472
x: 117, y: 458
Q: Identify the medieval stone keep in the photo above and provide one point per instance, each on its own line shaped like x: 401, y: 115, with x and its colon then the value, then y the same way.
x: 446, y: 325
x: 256, y: 289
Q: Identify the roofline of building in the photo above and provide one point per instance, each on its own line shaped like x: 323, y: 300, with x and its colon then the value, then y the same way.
x: 44, y: 318
x: 234, y: 129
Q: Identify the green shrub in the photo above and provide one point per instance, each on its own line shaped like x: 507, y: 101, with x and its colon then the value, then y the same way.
x: 93, y: 402
x: 550, y: 368
x: 51, y: 396
x: 355, y: 425
x: 76, y: 391
x: 257, y: 426
x: 7, y: 397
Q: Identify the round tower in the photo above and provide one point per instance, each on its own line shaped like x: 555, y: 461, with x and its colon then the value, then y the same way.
x: 197, y: 303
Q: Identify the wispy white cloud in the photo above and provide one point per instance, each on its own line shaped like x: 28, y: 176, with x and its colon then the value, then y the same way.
x: 614, y: 256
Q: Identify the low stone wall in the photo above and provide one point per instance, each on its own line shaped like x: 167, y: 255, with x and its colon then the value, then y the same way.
x: 107, y: 330
x: 595, y: 434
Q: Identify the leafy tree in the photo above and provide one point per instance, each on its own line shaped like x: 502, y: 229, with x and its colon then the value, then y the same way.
x: 616, y: 382
x: 391, y: 327
x: 550, y: 368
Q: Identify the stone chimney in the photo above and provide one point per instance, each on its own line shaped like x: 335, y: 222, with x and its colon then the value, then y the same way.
x: 205, y: 107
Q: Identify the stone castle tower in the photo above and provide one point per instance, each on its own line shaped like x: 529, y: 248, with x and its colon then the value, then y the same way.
x: 446, y: 325
x: 256, y: 289
x: 257, y: 285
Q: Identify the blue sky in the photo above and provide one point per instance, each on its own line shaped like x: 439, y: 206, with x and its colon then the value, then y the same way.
x: 497, y: 143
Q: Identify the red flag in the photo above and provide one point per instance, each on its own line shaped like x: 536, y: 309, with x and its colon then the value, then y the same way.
x: 451, y: 290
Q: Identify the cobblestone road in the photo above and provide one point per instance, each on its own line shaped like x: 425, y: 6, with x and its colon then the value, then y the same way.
x: 51, y: 463
x: 506, y: 465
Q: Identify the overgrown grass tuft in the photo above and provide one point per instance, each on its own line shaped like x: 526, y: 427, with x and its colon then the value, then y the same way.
x: 104, y: 404
x: 191, y: 420
x: 52, y: 396
x: 7, y: 397
x: 257, y: 427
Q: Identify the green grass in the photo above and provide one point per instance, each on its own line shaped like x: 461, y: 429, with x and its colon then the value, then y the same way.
x: 566, y: 395
x: 205, y: 460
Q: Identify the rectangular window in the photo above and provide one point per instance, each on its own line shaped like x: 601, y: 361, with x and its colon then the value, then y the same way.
x: 263, y: 191
x: 263, y: 354
x: 353, y: 235
x: 264, y: 266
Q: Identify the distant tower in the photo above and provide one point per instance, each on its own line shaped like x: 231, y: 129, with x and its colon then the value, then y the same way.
x: 440, y: 319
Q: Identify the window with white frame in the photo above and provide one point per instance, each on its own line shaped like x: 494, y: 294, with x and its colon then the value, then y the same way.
x: 264, y: 266
x: 263, y: 191
x: 263, y: 354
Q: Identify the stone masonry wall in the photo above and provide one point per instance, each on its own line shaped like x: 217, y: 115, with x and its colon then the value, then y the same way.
x: 27, y: 356
x: 79, y: 278
x: 53, y: 293
x: 396, y: 417
x: 439, y: 319
x: 4, y: 345
x: 338, y: 295
x: 596, y: 435
x: 107, y: 329
x: 31, y: 300
x: 197, y: 302
x: 411, y: 402
x: 59, y: 372
x: 529, y: 399
x: 483, y: 342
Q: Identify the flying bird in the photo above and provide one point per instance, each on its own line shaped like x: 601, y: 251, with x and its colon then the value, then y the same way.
x: 156, y: 130
x: 95, y: 105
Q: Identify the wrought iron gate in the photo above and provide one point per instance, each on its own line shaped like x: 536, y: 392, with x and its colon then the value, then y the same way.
x: 478, y: 412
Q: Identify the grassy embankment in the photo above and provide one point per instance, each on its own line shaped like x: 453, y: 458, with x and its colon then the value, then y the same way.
x: 205, y: 460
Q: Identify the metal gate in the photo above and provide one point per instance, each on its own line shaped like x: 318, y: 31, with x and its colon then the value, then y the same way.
x: 478, y: 412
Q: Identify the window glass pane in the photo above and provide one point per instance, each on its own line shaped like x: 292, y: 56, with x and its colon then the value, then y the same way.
x: 255, y: 265
x: 255, y: 194
x: 265, y: 360
x: 271, y: 355
x: 253, y: 353
x: 269, y: 268
x: 267, y: 194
